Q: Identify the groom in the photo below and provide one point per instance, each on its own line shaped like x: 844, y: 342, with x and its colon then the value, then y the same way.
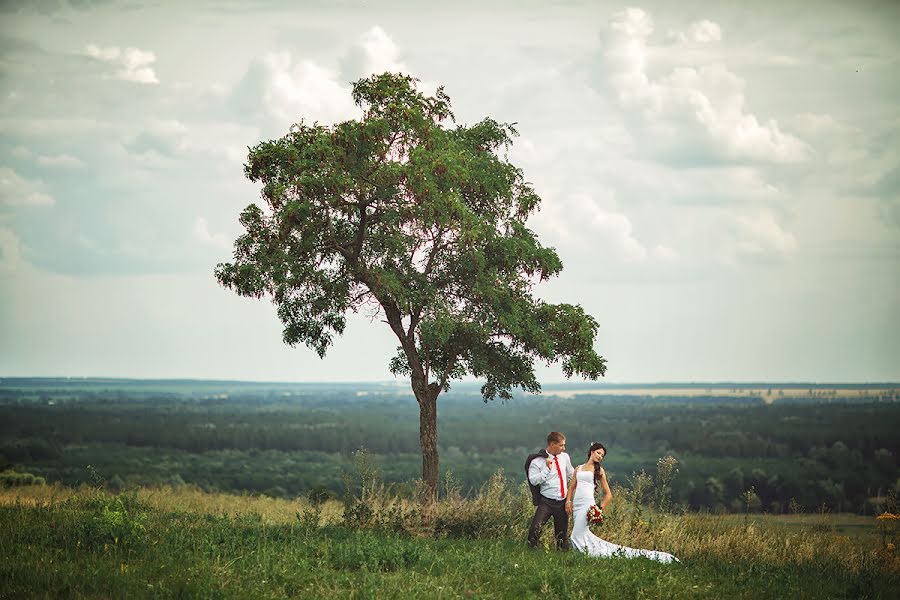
x: 548, y: 472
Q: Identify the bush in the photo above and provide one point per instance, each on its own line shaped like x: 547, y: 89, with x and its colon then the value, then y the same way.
x: 495, y: 511
x: 13, y: 479
x: 110, y: 519
x: 115, y: 485
x: 320, y: 494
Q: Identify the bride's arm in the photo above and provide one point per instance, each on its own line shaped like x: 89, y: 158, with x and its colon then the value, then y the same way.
x: 607, y: 493
x: 572, y: 485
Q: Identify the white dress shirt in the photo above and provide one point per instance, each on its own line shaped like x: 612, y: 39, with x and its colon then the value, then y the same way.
x: 549, y: 478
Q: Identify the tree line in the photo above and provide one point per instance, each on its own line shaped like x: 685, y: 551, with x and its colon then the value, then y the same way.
x: 839, y: 454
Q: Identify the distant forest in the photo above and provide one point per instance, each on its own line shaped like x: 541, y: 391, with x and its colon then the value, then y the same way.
x: 822, y: 450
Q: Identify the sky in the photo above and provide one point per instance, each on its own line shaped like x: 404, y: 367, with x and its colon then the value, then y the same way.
x: 720, y: 179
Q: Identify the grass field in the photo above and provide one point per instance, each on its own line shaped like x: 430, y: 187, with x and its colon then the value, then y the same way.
x: 58, y: 542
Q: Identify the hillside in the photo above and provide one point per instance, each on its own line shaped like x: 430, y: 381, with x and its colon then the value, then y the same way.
x: 164, y: 543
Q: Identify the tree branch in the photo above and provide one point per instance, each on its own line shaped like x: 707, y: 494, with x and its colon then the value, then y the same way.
x: 361, y: 231
x: 395, y: 321
x: 450, y: 366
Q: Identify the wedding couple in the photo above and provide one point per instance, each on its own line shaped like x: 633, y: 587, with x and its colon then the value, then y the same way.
x: 548, y: 472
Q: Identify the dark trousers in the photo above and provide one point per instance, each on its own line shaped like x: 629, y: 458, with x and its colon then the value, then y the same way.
x: 547, y: 508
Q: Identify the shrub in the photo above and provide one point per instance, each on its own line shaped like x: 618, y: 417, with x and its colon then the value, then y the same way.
x: 108, y: 519
x: 13, y: 479
x: 115, y: 485
x: 495, y: 511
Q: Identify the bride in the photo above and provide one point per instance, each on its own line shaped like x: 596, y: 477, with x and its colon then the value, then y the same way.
x: 581, y: 498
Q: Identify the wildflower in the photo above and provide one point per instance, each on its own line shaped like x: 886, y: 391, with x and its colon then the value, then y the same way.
x: 666, y: 465
x: 888, y: 517
x: 890, y: 547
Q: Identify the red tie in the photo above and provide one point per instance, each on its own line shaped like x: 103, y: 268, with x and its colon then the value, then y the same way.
x: 562, y: 485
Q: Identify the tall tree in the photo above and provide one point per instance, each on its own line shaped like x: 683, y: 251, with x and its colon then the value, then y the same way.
x: 425, y: 224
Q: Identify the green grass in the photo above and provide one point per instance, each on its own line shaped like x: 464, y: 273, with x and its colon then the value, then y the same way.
x: 92, y: 545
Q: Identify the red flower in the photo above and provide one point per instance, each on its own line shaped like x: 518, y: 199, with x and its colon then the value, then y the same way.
x: 595, y: 515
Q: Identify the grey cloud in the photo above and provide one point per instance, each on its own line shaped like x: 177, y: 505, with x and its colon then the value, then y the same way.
x: 147, y: 141
x: 890, y: 212
x: 874, y: 171
x: 245, y: 97
x: 887, y: 189
x: 16, y: 46
x: 50, y: 7
x: 888, y: 186
x: 46, y: 7
x: 126, y: 230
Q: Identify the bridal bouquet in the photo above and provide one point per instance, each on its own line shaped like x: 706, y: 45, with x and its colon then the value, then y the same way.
x: 595, y: 515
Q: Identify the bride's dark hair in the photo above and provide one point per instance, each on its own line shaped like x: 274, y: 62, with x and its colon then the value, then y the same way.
x: 594, y: 447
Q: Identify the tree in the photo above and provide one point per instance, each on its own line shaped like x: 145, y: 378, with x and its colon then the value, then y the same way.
x: 425, y: 225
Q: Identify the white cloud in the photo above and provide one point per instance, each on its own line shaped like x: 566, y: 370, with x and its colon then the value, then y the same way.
x: 824, y: 127
x: 375, y: 52
x: 704, y: 32
x: 291, y: 90
x: 761, y: 234
x: 17, y: 191
x: 10, y: 251
x: 616, y: 229
x: 664, y: 253
x: 783, y: 60
x: 162, y: 143
x: 160, y: 139
x: 49, y: 126
x: 225, y: 142
x: 167, y: 127
x: 60, y: 160
x: 202, y: 234
x: 709, y: 185
x: 586, y: 222
x: 693, y: 106
x: 134, y: 64
x: 524, y: 150
x: 701, y: 32
x: 105, y: 54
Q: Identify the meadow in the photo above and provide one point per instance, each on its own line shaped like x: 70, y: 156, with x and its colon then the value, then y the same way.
x: 185, y: 543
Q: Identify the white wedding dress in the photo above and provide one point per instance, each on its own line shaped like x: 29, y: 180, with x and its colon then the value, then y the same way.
x: 587, y: 542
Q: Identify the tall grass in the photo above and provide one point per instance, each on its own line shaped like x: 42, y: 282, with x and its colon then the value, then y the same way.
x: 86, y: 542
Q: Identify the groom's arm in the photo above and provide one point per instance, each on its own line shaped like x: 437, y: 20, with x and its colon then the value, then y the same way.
x: 538, y: 471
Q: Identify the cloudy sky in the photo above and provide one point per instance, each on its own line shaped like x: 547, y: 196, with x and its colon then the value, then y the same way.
x: 720, y: 179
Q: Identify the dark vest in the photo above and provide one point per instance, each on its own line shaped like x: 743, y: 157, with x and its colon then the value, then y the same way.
x: 535, y: 489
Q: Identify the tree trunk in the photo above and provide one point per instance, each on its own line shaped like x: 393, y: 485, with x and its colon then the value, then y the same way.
x: 428, y: 442
x: 426, y: 394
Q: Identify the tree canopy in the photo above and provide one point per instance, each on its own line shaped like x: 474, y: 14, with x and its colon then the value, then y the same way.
x: 422, y: 222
